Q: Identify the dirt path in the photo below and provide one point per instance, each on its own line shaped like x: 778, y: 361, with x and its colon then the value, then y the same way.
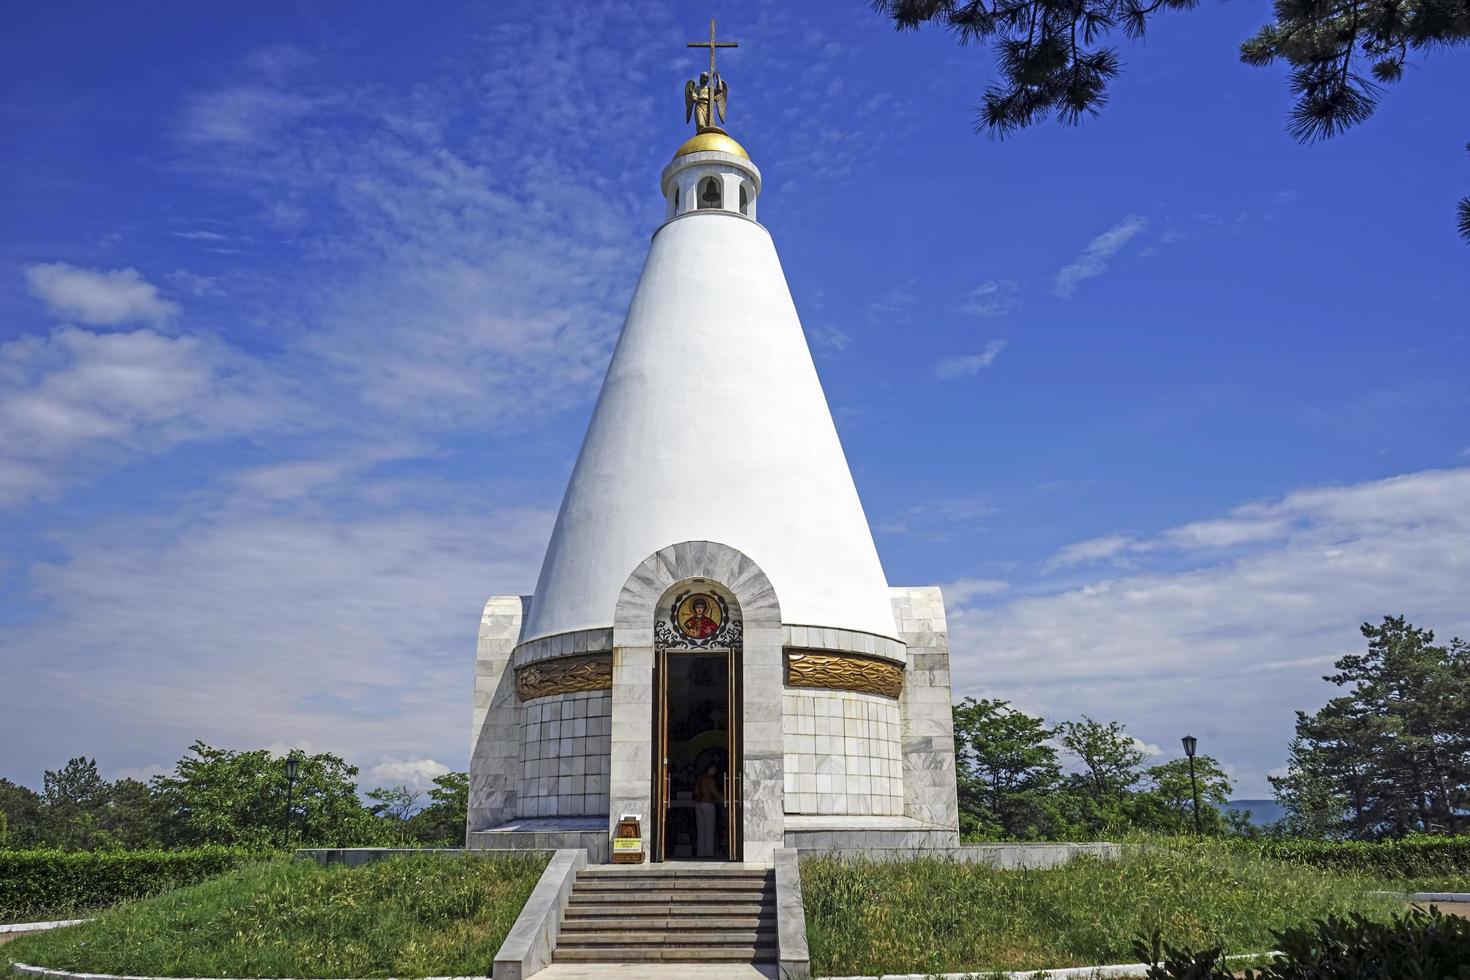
x: 1462, y: 909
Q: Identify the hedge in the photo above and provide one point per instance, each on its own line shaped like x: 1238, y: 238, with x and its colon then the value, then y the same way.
x: 1409, y: 857
x: 45, y: 884
x: 1414, y: 944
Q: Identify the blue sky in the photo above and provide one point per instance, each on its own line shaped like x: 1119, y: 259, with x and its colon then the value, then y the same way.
x: 303, y: 309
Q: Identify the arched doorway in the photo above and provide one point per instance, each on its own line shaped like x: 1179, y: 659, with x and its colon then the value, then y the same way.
x: 697, y: 711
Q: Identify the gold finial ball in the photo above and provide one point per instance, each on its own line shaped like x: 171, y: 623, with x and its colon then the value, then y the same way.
x: 711, y: 139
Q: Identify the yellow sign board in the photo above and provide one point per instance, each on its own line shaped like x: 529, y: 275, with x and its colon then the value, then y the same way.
x: 627, y: 845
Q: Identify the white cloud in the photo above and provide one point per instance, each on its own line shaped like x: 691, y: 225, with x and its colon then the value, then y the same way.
x: 961, y: 591
x: 1093, y: 261
x: 1093, y: 549
x: 829, y: 337
x: 142, y: 774
x: 344, y: 621
x: 77, y: 397
x: 417, y: 774
x: 894, y: 306
x: 968, y: 365
x: 1147, y: 748
x: 96, y: 296
x: 992, y: 299
x: 1233, y: 641
x: 243, y: 114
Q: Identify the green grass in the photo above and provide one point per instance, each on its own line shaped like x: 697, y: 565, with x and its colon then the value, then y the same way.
x: 935, y: 915
x: 410, y: 916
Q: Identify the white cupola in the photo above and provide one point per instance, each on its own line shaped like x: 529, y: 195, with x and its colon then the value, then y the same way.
x: 712, y: 426
x: 711, y: 172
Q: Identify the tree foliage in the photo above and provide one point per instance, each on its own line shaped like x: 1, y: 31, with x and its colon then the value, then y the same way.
x: 1327, y: 45
x: 224, y: 797
x: 1006, y: 769
x: 219, y: 796
x: 1053, y: 59
x: 1048, y: 51
x: 1391, y: 756
x: 1013, y: 784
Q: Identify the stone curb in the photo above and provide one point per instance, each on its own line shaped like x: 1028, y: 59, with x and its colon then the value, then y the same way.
x: 41, y: 926
x: 793, y: 958
x: 26, y: 969
x: 528, y: 945
x: 1428, y: 896
x: 1117, y: 970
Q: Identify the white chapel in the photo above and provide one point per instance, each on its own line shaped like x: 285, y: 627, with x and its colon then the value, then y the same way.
x: 712, y: 648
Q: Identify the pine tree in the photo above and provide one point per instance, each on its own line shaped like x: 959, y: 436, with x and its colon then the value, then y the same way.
x: 1052, y: 61
x: 1391, y: 756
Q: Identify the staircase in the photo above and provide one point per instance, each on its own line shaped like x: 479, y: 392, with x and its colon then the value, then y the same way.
x: 665, y: 913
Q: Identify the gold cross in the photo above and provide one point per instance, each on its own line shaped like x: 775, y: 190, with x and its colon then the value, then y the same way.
x: 712, y: 44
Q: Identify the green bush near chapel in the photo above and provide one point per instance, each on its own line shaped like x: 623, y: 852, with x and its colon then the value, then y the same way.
x: 411, y: 916
x: 49, y: 884
x: 1420, y: 863
x: 937, y: 915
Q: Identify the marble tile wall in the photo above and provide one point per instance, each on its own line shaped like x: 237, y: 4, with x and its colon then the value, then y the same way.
x: 843, y: 753
x: 565, y: 752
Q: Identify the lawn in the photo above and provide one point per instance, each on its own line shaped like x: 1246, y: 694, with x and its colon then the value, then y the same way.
x: 410, y: 916
x: 936, y: 915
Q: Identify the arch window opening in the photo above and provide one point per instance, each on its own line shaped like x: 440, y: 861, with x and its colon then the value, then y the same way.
x: 744, y: 201
x: 709, y: 193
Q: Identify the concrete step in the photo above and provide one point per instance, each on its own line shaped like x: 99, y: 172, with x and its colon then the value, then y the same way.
x: 571, y: 939
x: 640, y: 882
x: 677, y: 954
x: 604, y: 871
x: 612, y: 919
x: 581, y: 897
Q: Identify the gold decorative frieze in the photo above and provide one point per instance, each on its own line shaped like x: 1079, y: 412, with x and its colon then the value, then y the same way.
x: 564, y: 675
x: 843, y: 672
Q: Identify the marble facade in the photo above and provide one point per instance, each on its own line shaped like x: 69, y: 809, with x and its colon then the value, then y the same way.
x: 845, y: 765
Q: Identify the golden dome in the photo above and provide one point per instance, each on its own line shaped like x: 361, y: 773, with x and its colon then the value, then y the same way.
x: 711, y: 139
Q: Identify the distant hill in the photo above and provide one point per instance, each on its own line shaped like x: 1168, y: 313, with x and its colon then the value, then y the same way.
x: 1261, y: 812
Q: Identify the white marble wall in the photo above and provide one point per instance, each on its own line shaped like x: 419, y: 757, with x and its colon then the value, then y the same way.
x: 495, y: 743
x: 565, y: 744
x: 843, y: 753
x: 928, y: 719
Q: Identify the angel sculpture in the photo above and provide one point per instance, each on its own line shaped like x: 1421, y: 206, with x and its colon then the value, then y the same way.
x: 705, y: 100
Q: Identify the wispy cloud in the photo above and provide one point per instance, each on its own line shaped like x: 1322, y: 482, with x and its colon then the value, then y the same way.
x: 1093, y: 549
x: 98, y: 297
x: 338, y: 619
x: 961, y: 591
x: 995, y: 298
x: 78, y: 398
x: 894, y: 306
x: 968, y: 365
x: 829, y: 337
x: 416, y: 774
x: 940, y: 520
x: 1094, y: 259
x: 1272, y: 587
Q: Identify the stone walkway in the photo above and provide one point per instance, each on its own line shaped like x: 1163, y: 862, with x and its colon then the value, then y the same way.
x: 669, y: 971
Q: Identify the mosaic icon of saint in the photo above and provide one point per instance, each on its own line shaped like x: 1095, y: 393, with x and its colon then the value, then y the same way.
x: 698, y: 625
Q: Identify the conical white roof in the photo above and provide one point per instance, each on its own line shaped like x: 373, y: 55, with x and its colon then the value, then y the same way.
x: 712, y: 426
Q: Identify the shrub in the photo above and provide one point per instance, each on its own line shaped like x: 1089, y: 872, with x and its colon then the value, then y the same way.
x: 1409, y: 857
x: 1414, y: 944
x: 37, y: 885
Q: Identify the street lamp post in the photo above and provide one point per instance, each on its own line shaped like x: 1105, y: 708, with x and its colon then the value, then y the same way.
x: 1190, y: 743
x: 292, y: 767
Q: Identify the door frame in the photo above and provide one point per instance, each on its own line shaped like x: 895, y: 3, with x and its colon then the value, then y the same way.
x: 734, y: 760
